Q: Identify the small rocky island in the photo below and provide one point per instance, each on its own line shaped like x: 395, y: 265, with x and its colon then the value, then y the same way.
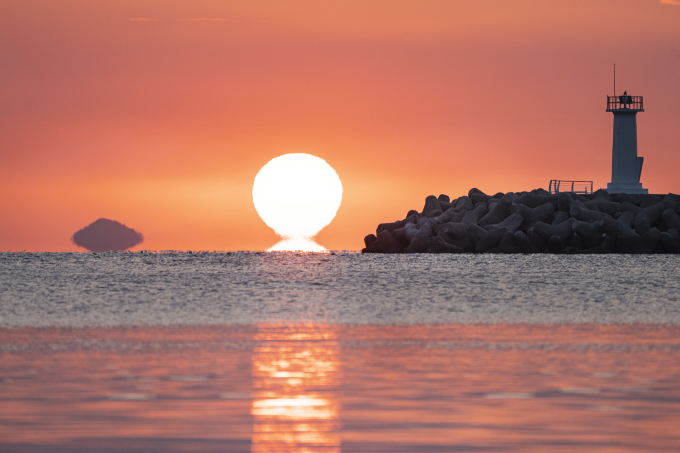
x: 535, y: 222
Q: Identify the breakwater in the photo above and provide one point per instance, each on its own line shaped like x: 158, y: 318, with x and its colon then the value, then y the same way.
x: 535, y: 222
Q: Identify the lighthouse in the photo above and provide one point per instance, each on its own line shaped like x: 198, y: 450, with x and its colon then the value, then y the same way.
x: 626, y: 165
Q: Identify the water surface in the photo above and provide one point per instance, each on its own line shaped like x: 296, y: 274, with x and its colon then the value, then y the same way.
x: 330, y: 353
x: 124, y: 289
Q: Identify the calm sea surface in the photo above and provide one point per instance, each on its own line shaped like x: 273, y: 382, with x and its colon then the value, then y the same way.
x: 312, y: 353
x: 139, y: 289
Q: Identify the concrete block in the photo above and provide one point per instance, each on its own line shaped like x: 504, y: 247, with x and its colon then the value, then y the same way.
x: 615, y: 228
x: 485, y: 240
x: 527, y: 244
x: 559, y: 217
x: 671, y: 219
x: 497, y: 214
x: 531, y: 215
x: 438, y: 245
x: 431, y: 204
x: 388, y: 244
x: 512, y: 223
x: 370, y: 239
x: 627, y: 218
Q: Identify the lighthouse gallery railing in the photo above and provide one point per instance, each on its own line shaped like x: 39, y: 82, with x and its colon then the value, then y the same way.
x: 624, y: 102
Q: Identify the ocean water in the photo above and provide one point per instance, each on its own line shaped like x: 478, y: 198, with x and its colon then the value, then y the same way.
x: 338, y: 352
x: 154, y: 289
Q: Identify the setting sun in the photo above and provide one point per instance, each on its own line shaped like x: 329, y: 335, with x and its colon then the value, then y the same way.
x: 297, y: 195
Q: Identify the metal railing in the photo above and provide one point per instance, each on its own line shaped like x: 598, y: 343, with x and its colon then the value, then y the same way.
x: 560, y: 186
x: 624, y: 102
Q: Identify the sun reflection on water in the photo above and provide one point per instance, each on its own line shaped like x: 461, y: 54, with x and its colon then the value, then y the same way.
x: 297, y: 245
x: 295, y: 377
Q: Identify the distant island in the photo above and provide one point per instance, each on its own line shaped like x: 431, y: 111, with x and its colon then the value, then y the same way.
x: 104, y: 235
x: 535, y: 222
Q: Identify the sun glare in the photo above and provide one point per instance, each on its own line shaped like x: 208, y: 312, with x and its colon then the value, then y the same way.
x: 297, y: 195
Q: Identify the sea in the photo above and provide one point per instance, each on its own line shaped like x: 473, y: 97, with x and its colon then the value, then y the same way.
x: 338, y: 352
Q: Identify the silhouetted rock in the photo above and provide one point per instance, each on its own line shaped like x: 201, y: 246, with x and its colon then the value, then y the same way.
x: 508, y: 240
x: 105, y: 235
x: 421, y: 240
x: 431, y: 204
x: 580, y: 211
x: 648, y: 200
x: 672, y: 219
x: 499, y: 212
x: 470, y: 218
x: 410, y: 233
x: 640, y: 224
x: 532, y: 215
x: 591, y: 233
x: 454, y: 230
x: 444, y: 205
x: 370, y: 239
x: 389, y: 227
x: 438, y: 245
x: 527, y: 244
x: 400, y: 236
x: 464, y: 203
x: 480, y: 211
x: 608, y: 244
x: 485, y: 240
x: 563, y: 203
x: 627, y: 218
x: 563, y: 230
x: 653, y: 212
x: 626, y: 206
x: 670, y: 241
x: 535, y: 222
x: 479, y: 198
x: 511, y: 223
x: 602, y: 195
x: 558, y: 217
x: 638, y: 244
x: 374, y: 247
x: 615, y: 228
x: 577, y: 242
x: 388, y: 244
x: 555, y: 245
x: 608, y: 207
x: 534, y: 201
x: 450, y: 214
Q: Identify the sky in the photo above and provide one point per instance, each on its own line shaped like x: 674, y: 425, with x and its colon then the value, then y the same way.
x: 159, y: 114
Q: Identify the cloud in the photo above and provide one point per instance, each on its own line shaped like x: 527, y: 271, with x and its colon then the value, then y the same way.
x: 142, y: 19
x: 208, y: 19
x: 670, y: 2
x: 103, y: 235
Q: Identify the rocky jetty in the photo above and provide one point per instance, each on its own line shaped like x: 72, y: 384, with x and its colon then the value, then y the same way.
x: 535, y: 222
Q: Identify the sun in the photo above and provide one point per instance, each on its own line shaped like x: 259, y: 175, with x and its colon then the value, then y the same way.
x: 297, y: 195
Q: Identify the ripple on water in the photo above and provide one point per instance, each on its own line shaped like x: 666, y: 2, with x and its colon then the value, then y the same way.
x: 126, y: 289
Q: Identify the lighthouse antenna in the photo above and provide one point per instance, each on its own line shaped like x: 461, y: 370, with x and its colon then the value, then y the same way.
x: 614, y: 79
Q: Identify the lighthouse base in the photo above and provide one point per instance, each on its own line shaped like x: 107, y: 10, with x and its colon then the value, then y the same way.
x: 626, y: 187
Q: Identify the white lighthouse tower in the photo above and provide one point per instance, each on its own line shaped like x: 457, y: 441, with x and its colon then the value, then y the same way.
x: 626, y: 165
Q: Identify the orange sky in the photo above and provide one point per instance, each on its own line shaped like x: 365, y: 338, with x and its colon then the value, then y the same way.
x: 162, y: 124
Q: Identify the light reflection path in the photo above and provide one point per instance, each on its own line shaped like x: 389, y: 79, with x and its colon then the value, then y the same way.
x: 296, y: 375
x: 297, y: 245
